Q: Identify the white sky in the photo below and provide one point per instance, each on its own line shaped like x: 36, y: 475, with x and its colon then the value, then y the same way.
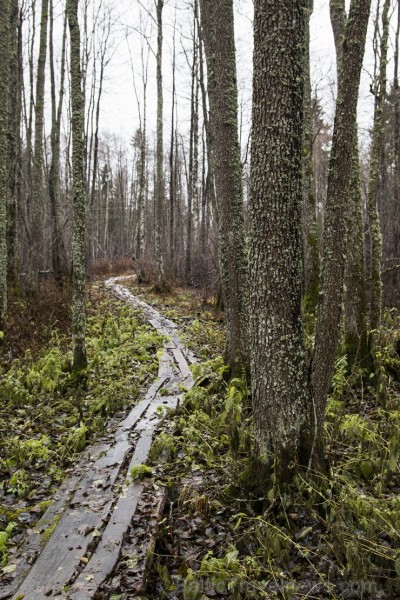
x: 119, y: 114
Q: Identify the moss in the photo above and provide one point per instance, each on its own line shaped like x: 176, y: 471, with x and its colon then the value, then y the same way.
x: 46, y: 534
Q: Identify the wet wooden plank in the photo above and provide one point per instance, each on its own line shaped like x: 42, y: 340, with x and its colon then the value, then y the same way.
x: 61, y: 557
x: 31, y: 548
x: 181, y: 362
x: 104, y: 559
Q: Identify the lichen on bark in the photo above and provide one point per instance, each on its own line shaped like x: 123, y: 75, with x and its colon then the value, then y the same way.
x: 4, y: 152
x: 283, y: 413
x: 218, y: 33
x: 78, y: 191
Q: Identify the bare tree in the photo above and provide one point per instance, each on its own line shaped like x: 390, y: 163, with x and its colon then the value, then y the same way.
x: 79, y: 190
x: 161, y: 284
x: 218, y: 33
x: 4, y: 152
x: 36, y: 198
x: 339, y: 182
x: 58, y: 249
x: 379, y: 91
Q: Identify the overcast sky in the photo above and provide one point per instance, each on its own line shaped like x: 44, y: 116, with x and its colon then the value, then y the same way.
x: 119, y: 114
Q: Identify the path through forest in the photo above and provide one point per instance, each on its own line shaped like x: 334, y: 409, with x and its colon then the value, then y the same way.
x: 91, y: 518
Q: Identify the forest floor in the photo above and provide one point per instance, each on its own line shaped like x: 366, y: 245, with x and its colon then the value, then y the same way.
x: 201, y: 528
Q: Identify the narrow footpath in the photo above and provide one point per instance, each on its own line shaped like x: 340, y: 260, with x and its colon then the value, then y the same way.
x: 93, y: 510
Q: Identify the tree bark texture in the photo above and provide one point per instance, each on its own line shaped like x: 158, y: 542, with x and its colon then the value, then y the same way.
x: 58, y: 249
x: 160, y: 189
x: 36, y: 229
x: 282, y: 411
x: 354, y: 278
x: 4, y: 151
x: 14, y: 111
x: 375, y: 233
x: 339, y: 183
x: 309, y: 220
x: 219, y: 41
x: 78, y: 190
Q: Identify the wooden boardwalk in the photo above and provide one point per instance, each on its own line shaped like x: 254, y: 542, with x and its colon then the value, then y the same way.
x: 94, y: 508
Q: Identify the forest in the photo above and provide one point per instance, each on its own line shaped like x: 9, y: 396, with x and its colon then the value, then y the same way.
x: 199, y: 299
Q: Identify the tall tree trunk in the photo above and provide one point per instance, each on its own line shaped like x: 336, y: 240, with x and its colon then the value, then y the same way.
x: 395, y: 276
x: 218, y: 33
x: 309, y: 220
x: 281, y: 398
x: 355, y: 317
x: 79, y: 191
x: 339, y: 183
x: 172, y: 176
x: 36, y: 224
x: 15, y: 110
x: 57, y: 248
x: 4, y: 152
x: 354, y: 300
x: 161, y: 283
x: 209, y: 190
x: 374, y: 176
x: 192, y: 143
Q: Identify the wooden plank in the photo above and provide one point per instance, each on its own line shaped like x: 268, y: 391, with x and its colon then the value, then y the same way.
x: 30, y: 549
x: 61, y: 557
x: 104, y: 559
x: 181, y: 362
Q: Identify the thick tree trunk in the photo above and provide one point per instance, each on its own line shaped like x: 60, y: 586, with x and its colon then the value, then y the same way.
x: 355, y: 322
x: 79, y: 191
x: 172, y: 175
x: 57, y: 249
x: 339, y: 183
x: 161, y: 283
x: 281, y: 398
x: 309, y: 219
x: 14, y: 110
x: 374, y: 176
x: 4, y: 152
x: 395, y: 250
x: 36, y: 224
x: 218, y: 33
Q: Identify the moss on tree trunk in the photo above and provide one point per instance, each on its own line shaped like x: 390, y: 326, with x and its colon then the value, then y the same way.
x: 283, y: 415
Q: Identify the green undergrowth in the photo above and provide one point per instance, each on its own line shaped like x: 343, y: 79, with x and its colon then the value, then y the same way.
x: 48, y: 416
x: 201, y: 324
x: 328, y: 536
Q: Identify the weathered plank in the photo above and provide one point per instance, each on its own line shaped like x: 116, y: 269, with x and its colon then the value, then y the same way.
x: 103, y: 561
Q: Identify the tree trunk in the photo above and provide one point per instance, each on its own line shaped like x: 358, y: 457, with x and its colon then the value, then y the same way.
x: 4, y: 152
x: 36, y: 224
x: 172, y: 175
x: 161, y: 283
x: 281, y: 399
x: 57, y: 249
x: 374, y: 176
x: 355, y: 323
x: 218, y: 33
x: 339, y: 183
x: 79, y: 191
x: 14, y: 108
x: 309, y: 220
